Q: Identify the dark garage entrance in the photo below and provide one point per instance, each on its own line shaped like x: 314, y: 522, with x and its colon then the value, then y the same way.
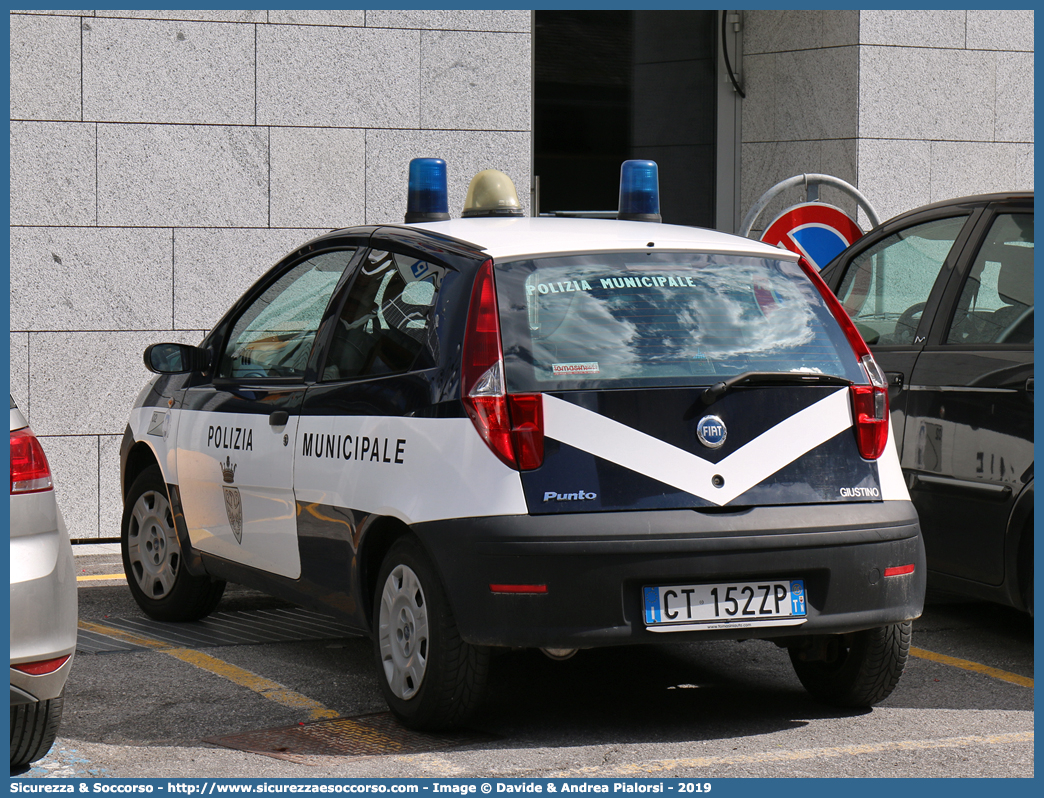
x: 613, y: 85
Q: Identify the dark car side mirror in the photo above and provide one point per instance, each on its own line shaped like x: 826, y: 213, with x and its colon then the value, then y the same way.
x: 175, y: 358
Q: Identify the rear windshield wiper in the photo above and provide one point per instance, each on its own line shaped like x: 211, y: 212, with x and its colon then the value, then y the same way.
x: 716, y: 391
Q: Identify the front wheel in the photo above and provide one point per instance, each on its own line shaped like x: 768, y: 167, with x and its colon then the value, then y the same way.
x: 152, y: 559
x: 431, y: 679
x: 33, y: 729
x: 853, y: 670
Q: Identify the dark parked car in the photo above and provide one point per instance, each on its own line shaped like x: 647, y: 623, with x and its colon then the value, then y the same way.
x: 944, y: 297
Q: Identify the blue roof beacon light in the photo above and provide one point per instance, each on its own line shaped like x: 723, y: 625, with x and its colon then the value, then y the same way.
x: 639, y: 192
x: 427, y: 198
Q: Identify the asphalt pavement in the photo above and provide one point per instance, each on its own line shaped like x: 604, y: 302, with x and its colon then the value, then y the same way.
x: 145, y: 704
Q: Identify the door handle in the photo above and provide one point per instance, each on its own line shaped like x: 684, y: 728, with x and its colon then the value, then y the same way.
x: 1029, y: 385
x: 278, y: 418
x: 895, y: 379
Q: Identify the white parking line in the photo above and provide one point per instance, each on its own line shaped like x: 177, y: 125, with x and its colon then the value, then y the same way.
x: 667, y: 765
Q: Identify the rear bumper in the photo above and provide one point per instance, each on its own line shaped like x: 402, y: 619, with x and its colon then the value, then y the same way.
x: 595, y: 566
x: 43, y: 596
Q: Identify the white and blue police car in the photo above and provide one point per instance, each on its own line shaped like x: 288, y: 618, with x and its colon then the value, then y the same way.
x: 503, y: 431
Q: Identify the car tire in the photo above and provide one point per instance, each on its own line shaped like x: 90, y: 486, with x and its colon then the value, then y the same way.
x: 860, y: 670
x: 431, y: 679
x: 152, y: 556
x: 34, y: 728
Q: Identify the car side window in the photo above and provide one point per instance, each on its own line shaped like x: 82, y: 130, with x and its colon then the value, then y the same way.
x: 996, y: 302
x: 886, y: 287
x: 273, y: 337
x: 387, y: 318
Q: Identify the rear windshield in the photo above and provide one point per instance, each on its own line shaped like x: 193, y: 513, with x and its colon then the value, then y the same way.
x: 617, y: 320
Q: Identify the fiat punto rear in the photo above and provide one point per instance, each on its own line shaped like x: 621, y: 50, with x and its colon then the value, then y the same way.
x: 500, y: 431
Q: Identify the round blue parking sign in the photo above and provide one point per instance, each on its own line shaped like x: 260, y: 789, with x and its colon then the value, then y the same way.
x: 818, y: 231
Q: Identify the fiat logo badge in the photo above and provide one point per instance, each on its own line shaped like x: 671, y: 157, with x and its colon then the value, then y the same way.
x: 711, y: 431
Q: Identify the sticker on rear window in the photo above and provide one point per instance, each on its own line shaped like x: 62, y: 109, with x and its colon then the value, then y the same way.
x: 611, y: 283
x: 574, y: 368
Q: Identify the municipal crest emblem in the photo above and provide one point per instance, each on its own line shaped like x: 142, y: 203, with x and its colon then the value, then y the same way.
x: 233, y: 501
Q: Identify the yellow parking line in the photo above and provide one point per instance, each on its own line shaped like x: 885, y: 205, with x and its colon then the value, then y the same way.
x: 101, y: 578
x: 266, y: 688
x: 967, y: 665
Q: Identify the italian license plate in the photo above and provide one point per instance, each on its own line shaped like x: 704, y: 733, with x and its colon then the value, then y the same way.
x: 734, y: 605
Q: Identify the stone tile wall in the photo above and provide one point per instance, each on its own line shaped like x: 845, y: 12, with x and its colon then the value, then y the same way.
x: 161, y: 161
x: 911, y: 107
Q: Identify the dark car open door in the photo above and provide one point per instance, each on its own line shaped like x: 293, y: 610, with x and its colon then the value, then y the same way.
x: 969, y: 432
x: 891, y: 282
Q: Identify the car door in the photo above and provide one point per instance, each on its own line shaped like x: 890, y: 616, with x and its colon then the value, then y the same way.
x: 969, y: 437
x: 890, y: 282
x: 237, y: 426
x: 365, y: 443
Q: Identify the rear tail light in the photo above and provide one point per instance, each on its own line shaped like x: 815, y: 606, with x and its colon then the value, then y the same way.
x: 869, y: 402
x: 42, y: 667
x: 30, y: 472
x: 530, y: 590
x: 899, y: 570
x: 870, y: 411
x: 511, y: 425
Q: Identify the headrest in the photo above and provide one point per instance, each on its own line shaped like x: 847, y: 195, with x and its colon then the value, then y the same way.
x: 1015, y: 281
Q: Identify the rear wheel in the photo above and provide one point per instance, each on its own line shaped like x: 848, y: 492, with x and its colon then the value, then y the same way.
x: 431, y: 679
x: 854, y: 670
x: 152, y: 558
x: 33, y: 729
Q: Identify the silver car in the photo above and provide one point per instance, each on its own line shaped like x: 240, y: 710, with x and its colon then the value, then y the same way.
x: 43, y: 599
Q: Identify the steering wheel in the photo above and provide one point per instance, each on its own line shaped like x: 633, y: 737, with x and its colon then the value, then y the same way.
x: 909, y: 320
x: 1011, y: 328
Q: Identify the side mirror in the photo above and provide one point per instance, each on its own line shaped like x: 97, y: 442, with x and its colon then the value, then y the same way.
x: 175, y: 358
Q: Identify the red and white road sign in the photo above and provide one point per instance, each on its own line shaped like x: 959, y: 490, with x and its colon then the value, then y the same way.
x: 816, y: 230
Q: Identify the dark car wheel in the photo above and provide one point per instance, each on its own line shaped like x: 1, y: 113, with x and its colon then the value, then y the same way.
x: 33, y: 729
x: 431, y: 679
x: 859, y: 669
x: 152, y: 558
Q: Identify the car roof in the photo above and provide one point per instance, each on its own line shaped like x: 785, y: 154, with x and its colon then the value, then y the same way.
x: 957, y: 202
x: 519, y: 236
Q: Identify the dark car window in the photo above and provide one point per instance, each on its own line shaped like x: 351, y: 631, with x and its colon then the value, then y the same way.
x: 386, y: 321
x: 615, y: 320
x: 886, y: 287
x: 274, y: 335
x: 996, y: 303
